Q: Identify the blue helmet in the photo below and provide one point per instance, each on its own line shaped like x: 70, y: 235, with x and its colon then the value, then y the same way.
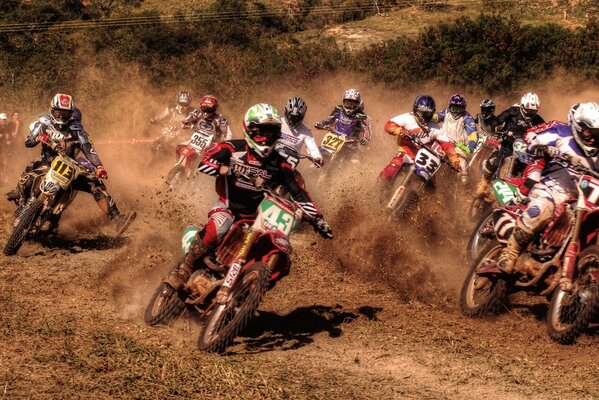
x: 457, y: 105
x: 424, y: 108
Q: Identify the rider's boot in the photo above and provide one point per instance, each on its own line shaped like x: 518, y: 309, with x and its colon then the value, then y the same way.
x: 519, y: 239
x: 122, y: 221
x: 13, y: 195
x: 179, y: 276
x: 481, y: 188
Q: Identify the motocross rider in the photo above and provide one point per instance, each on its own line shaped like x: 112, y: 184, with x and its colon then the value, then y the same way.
x: 207, y: 113
x: 170, y: 118
x: 350, y: 120
x: 460, y: 127
x: 59, y: 128
x: 486, y: 120
x: 514, y: 122
x: 242, y: 168
x: 418, y: 123
x: 294, y: 134
x: 578, y: 141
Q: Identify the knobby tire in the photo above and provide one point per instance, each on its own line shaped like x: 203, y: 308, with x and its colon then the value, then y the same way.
x: 224, y: 322
x: 28, y: 217
x: 570, y: 312
x: 483, y: 295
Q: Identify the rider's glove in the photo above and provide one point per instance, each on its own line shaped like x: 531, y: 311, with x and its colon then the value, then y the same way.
x: 318, y: 125
x: 323, y: 229
x: 319, y: 162
x: 364, y: 141
x: 101, y: 172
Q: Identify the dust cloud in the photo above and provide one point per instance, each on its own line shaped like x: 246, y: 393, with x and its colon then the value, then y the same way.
x: 421, y: 257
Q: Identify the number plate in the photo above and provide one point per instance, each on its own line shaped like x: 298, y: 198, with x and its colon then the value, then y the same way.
x: 273, y: 217
x: 589, y: 187
x: 200, y: 140
x: 333, y: 142
x: 503, y: 191
x: 427, y: 163
x: 63, y: 171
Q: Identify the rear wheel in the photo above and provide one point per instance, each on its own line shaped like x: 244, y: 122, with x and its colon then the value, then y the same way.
x: 225, y: 321
x: 480, y: 294
x: 571, y: 311
x: 27, y: 218
x: 166, y: 305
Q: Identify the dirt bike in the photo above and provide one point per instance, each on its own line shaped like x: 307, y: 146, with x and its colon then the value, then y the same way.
x: 505, y: 195
x: 552, y: 263
x: 52, y: 194
x: 228, y: 287
x: 480, y: 207
x: 334, y: 150
x: 190, y: 153
x: 418, y: 176
x: 487, y: 143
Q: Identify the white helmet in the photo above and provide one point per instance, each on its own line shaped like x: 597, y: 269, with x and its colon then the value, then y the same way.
x: 352, y: 101
x: 529, y: 105
x: 584, y: 122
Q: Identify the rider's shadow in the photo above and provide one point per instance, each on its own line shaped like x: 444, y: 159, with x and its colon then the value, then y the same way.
x: 270, y: 331
x: 100, y: 242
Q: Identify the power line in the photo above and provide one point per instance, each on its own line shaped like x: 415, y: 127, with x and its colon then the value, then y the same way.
x: 275, y: 11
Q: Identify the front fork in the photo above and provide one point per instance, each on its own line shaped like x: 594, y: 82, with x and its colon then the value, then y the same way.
x: 397, y: 195
x: 236, y: 266
x: 571, y: 255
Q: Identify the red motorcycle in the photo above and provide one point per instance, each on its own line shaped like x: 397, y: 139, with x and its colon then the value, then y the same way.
x: 228, y: 287
x: 190, y: 153
x: 562, y: 262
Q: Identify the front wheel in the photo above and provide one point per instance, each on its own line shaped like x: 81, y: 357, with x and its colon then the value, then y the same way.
x: 28, y: 217
x: 481, y: 236
x: 570, y: 312
x: 166, y: 305
x: 482, y: 295
x: 174, y: 175
x: 225, y: 321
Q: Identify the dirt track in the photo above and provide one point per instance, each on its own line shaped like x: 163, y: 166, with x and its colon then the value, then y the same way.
x: 372, y: 314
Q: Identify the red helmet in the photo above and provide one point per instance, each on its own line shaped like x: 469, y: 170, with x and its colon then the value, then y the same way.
x: 208, y: 106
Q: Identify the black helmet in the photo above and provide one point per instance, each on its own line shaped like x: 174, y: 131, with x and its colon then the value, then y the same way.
x: 295, y: 111
x: 487, y: 108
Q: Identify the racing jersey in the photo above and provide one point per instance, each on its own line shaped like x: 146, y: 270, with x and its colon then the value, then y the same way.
x: 460, y: 130
x: 410, y: 126
x: 219, y: 123
x: 296, y: 137
x: 557, y: 174
x: 74, y: 136
x: 241, y: 189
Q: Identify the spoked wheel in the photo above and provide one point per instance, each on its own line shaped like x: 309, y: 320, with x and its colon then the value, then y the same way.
x: 28, y: 217
x: 570, y: 311
x: 166, y: 305
x: 174, y: 175
x: 481, y: 236
x: 481, y: 294
x: 225, y: 321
